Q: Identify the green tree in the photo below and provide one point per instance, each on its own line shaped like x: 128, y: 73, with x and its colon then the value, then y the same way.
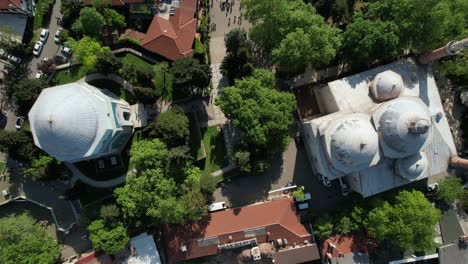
x: 39, y: 167
x: 192, y: 198
x: 456, y: 67
x: 163, y: 80
x: 262, y: 113
x: 299, y: 194
x: 171, y: 126
x: 19, y: 145
x: 323, y: 226
x: 367, y: 41
x: 64, y: 35
x: 407, y: 224
x: 86, y: 51
x: 90, y: 22
x: 101, y: 4
x: 346, y: 225
x: 109, y: 212
x: 191, y: 77
x: 25, y: 94
x: 237, y: 64
x: 242, y: 160
x: 179, y: 159
x: 23, y: 241
x: 265, y: 77
x: 148, y: 154
x: 107, y: 63
x: 234, y: 40
x: 449, y: 190
x: 109, y: 237
x: 70, y: 10
x: 113, y: 19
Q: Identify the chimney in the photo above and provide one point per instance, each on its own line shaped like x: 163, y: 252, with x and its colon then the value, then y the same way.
x: 458, y: 162
x: 452, y: 48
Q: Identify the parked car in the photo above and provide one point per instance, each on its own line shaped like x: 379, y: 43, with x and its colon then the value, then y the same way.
x: 3, y: 53
x: 57, y: 35
x: 19, y: 122
x: 14, y: 59
x: 37, y: 48
x: 3, y: 120
x: 302, y: 206
x: 60, y: 59
x: 432, y: 187
x: 217, y: 206
x: 66, y: 50
x: 39, y: 74
x: 44, y: 35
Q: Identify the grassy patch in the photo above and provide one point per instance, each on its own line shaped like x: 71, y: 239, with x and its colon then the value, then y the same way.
x: 136, y: 62
x: 69, y: 75
x: 115, y: 88
x: 215, y: 148
x: 195, y: 138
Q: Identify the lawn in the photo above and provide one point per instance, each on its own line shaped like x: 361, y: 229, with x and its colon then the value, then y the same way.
x: 69, y: 75
x: 136, y: 62
x: 216, y: 156
x: 115, y: 88
x: 196, y: 149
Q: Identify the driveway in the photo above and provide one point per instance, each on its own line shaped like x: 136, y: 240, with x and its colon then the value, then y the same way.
x: 50, y: 48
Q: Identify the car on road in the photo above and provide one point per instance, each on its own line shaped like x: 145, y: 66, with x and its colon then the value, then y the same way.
x: 66, y: 50
x: 57, y: 35
x: 19, y: 122
x: 60, y: 59
x: 39, y: 74
x: 14, y: 59
x: 44, y: 35
x: 37, y: 48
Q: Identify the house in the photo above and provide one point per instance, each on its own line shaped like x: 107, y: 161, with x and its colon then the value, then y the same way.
x: 16, y: 17
x: 347, y: 249
x: 144, y: 250
x: 77, y: 121
x: 171, y: 38
x: 272, y: 223
x: 379, y: 129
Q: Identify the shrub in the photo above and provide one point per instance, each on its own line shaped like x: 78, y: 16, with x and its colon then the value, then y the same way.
x: 129, y: 40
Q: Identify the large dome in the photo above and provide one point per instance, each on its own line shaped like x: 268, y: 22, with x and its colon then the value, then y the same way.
x: 412, y: 167
x: 404, y: 125
x: 386, y: 85
x: 65, y: 121
x: 351, y: 142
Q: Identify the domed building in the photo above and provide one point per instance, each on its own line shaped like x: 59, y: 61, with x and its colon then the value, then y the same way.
x: 379, y: 129
x: 77, y: 121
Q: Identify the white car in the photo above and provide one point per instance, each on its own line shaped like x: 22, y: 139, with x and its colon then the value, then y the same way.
x: 66, y: 50
x: 44, y: 35
x: 14, y: 59
x: 2, y: 53
x: 39, y: 74
x: 37, y: 48
x: 57, y: 35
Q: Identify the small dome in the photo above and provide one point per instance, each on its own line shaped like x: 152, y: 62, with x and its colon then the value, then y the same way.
x: 351, y: 142
x: 412, y: 167
x: 404, y: 125
x: 386, y: 85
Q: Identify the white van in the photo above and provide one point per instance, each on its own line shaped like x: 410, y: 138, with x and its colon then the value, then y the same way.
x: 217, y: 207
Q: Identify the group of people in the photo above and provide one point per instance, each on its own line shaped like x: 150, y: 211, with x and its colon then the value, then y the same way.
x: 227, y: 6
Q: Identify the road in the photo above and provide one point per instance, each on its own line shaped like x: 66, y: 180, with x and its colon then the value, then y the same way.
x: 50, y: 47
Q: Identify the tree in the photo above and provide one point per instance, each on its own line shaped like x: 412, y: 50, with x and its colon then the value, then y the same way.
x: 179, y: 160
x: 299, y: 194
x: 46, y: 66
x: 407, y: 224
x: 265, y: 77
x: 346, y: 225
x: 19, y: 145
x: 64, y: 35
x: 101, y: 4
x: 367, y: 41
x: 109, y: 237
x: 25, y: 94
x: 163, y: 80
x: 113, y: 19
x: 107, y: 63
x: 323, y: 226
x: 262, y: 113
x: 148, y: 154
x: 39, y: 167
x: 234, y: 40
x: 456, y: 67
x: 22, y: 240
x: 190, y: 77
x: 192, y: 198
x: 90, y: 22
x: 449, y: 190
x: 237, y: 65
x: 145, y: 95
x: 70, y: 10
x: 87, y: 51
x: 109, y: 212
x: 242, y: 161
x: 171, y: 126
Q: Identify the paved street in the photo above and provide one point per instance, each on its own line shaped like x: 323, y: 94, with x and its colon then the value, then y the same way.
x: 50, y: 47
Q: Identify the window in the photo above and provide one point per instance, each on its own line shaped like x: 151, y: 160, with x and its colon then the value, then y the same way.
x: 255, y: 232
x: 126, y: 116
x: 204, y: 242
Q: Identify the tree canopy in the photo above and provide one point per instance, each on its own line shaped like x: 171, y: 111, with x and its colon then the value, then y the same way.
x: 235, y: 39
x: 109, y: 237
x: 148, y: 154
x: 171, y: 126
x: 25, y: 94
x: 90, y: 22
x: 406, y: 224
x: 86, y: 51
x: 107, y: 62
x: 261, y: 112
x: 190, y: 76
x: 163, y: 80
x: 449, y: 190
x: 113, y: 19
x: 39, y: 167
x: 23, y: 241
x: 19, y: 145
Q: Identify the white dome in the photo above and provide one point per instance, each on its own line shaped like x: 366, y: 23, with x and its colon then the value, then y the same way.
x: 412, y: 167
x: 404, y: 125
x: 352, y: 142
x: 386, y: 85
x: 65, y: 121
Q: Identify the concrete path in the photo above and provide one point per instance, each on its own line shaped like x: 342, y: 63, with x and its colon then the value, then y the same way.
x: 78, y: 175
x: 226, y: 169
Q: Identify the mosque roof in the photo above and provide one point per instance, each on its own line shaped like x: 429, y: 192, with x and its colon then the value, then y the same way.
x: 386, y: 85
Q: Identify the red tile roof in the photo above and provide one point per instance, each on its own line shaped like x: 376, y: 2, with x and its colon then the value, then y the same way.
x: 278, y: 218
x: 117, y: 2
x: 133, y: 34
x: 348, y: 244
x: 5, y: 4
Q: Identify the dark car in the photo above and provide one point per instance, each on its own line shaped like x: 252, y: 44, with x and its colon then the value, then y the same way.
x: 60, y: 59
x: 3, y: 120
x: 289, y: 184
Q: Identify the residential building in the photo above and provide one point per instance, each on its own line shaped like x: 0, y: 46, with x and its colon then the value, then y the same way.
x: 171, y: 38
x: 272, y: 223
x: 379, y: 129
x: 348, y: 249
x: 77, y: 121
x: 143, y: 250
x: 16, y: 16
